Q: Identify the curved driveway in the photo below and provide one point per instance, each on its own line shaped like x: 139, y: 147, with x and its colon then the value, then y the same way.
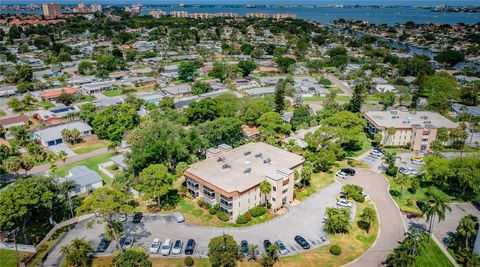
x: 392, y: 227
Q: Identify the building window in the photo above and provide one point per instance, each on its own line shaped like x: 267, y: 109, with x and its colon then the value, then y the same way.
x: 274, y: 188
x: 285, y: 191
x: 273, y: 199
x: 208, y: 192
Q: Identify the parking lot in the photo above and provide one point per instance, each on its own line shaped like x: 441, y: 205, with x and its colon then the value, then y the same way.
x: 305, y: 219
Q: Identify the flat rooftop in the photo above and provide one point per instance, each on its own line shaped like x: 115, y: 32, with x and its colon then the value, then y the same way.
x: 260, y: 158
x: 407, y: 119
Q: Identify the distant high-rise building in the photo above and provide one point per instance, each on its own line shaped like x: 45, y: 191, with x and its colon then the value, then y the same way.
x: 158, y: 13
x: 179, y: 14
x: 96, y: 8
x: 52, y: 10
x: 284, y: 16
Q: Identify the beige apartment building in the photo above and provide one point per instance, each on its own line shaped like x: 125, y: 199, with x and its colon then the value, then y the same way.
x: 179, y: 14
x: 419, y: 128
x: 52, y: 10
x: 231, y: 177
x: 257, y: 15
x: 284, y: 16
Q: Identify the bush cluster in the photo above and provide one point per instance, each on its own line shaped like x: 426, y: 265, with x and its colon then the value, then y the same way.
x: 335, y: 250
x: 222, y: 216
x: 188, y: 261
x: 258, y: 211
x: 242, y: 219
x: 355, y: 192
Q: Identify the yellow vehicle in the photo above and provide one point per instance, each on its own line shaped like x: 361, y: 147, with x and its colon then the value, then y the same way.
x: 416, y: 157
x: 343, y: 196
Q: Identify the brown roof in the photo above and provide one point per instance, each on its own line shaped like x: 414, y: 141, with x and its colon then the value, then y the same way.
x: 14, y: 119
x: 57, y: 93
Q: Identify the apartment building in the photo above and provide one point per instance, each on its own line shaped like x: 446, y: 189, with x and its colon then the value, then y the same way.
x: 179, y: 14
x: 257, y: 15
x: 52, y: 10
x: 419, y: 128
x: 231, y: 177
x: 284, y: 16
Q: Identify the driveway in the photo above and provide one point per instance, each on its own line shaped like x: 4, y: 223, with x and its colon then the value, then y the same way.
x: 62, y: 147
x: 392, y: 226
x: 305, y: 219
x: 347, y: 90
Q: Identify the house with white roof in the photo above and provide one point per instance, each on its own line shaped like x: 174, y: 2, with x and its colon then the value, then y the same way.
x: 53, y: 135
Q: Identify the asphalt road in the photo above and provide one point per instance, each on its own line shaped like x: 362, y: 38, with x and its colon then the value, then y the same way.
x: 392, y: 226
x: 305, y: 219
x: 347, y: 90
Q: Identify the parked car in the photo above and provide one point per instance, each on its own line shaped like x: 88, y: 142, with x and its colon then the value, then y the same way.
x: 137, y: 217
x: 344, y: 203
x: 155, y: 246
x: 341, y: 174
x: 127, y: 242
x: 282, y: 249
x: 349, y: 171
x: 179, y: 217
x: 177, y: 247
x: 302, y: 242
x: 266, y: 244
x: 376, y: 153
x: 244, y: 247
x: 103, y: 245
x: 413, y: 158
x: 406, y: 171
x: 190, y: 247
x: 418, y: 162
x: 166, y: 247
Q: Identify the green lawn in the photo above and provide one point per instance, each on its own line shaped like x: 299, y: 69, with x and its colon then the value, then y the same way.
x: 317, y: 183
x: 90, y: 147
x: 432, y: 255
x: 8, y: 258
x: 341, y: 98
x: 2, y: 113
x: 91, y: 163
x: 85, y: 98
x: 335, y: 90
x: 374, y: 98
x: 46, y: 104
x: 115, y: 92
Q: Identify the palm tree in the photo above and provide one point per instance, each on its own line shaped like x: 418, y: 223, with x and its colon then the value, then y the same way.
x: 435, y: 206
x: 13, y: 164
x: 467, y: 227
x: 75, y: 134
x: 390, y: 131
x: 77, y: 253
x: 27, y: 163
x: 52, y: 159
x: 66, y: 134
x: 306, y: 174
x: 65, y: 188
x: 266, y: 189
x: 252, y: 251
x: 62, y: 155
x: 402, y: 180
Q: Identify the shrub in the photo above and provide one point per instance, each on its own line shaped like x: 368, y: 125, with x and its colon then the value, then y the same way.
x: 257, y: 211
x: 188, y: 261
x: 222, y: 216
x: 364, y: 225
x: 358, y: 197
x: 395, y: 193
x: 242, y: 219
x: 335, y: 250
x: 351, y: 189
x: 414, y: 185
x: 212, y: 210
x: 249, y: 216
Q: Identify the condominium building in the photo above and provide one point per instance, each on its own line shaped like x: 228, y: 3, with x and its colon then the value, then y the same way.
x: 419, y: 128
x: 179, y: 14
x: 231, y: 177
x: 200, y: 15
x: 257, y: 15
x: 96, y: 8
x: 52, y: 10
x: 284, y: 16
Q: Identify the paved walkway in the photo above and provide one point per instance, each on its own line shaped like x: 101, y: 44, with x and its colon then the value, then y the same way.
x: 305, y: 219
x: 392, y: 227
x: 45, y: 167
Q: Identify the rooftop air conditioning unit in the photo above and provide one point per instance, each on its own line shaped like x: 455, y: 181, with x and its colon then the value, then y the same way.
x: 220, y: 159
x: 226, y: 166
x: 246, y: 153
x: 247, y: 170
x: 267, y: 161
x: 259, y: 155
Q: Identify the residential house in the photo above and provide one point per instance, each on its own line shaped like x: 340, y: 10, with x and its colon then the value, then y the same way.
x: 54, y: 94
x: 85, y: 180
x: 53, y: 135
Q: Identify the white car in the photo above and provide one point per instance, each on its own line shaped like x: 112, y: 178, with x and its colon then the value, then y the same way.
x: 418, y: 162
x: 155, y: 246
x: 177, y: 247
x: 127, y: 242
x: 376, y: 153
x: 344, y: 203
x: 341, y: 174
x: 166, y: 247
x: 281, y: 247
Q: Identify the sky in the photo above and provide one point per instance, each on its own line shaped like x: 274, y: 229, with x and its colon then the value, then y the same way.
x: 271, y: 2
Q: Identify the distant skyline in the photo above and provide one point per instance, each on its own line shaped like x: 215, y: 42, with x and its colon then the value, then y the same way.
x: 258, y: 2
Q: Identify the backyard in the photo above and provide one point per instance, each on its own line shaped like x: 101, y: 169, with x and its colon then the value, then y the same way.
x: 114, y: 92
x: 88, y: 144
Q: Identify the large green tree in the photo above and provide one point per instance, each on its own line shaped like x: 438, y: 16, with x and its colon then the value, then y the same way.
x: 132, y: 257
x: 154, y: 182
x: 222, y: 131
x: 223, y: 251
x: 112, y: 122
x: 76, y: 253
